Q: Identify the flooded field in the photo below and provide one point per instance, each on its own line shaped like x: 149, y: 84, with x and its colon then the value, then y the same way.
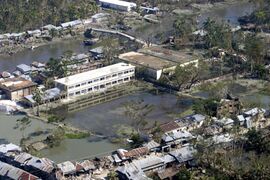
x: 68, y: 149
x: 42, y: 53
x: 105, y: 118
x: 229, y: 13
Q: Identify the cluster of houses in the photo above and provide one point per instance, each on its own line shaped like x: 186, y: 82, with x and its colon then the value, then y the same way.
x: 86, y: 74
x: 48, y: 32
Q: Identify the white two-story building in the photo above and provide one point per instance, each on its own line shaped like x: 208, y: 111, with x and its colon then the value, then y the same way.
x: 97, y: 80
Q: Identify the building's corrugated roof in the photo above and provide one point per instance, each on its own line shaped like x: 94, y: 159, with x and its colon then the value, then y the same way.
x: 87, y: 165
x: 141, y: 151
x: 170, y: 55
x: 22, y: 157
x: 118, y: 2
x: 47, y: 95
x: 71, y: 23
x: 145, y: 60
x: 149, y: 162
x: 12, y: 172
x: 24, y: 68
x: 14, y: 84
x: 151, y: 145
x: 44, y: 164
x: 85, y: 76
x: 170, y: 126
x: 4, y: 148
x: 183, y: 154
x: 67, y: 167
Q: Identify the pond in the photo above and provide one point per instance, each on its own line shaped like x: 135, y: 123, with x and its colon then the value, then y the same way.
x: 68, y: 149
x: 105, y: 118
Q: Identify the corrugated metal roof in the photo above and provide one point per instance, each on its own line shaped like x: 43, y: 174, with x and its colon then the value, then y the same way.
x: 44, y: 164
x: 4, y: 148
x: 22, y: 157
x: 169, y: 126
x: 12, y: 172
x: 67, y: 167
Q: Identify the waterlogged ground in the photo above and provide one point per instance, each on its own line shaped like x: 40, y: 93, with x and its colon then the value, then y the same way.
x: 105, y: 119
x: 68, y: 149
x: 249, y: 91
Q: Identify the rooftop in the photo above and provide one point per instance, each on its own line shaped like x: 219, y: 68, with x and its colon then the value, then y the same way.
x: 81, y: 77
x: 118, y: 2
x: 146, y: 60
x: 12, y: 172
x: 4, y: 148
x: 14, y: 84
x: 180, y: 56
x: 169, y: 126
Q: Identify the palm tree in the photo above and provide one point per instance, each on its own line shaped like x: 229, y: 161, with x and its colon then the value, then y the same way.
x: 37, y: 97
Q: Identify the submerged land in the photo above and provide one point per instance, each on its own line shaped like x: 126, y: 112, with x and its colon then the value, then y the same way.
x: 194, y: 103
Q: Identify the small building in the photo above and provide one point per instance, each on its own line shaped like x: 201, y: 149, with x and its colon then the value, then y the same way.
x: 4, y: 148
x: 49, y: 27
x: 229, y: 106
x: 152, y: 145
x: 117, y: 5
x: 10, y: 172
x: 97, y: 52
x: 224, y: 122
x: 191, y: 122
x: 17, y: 88
x: 34, y: 33
x: 171, y: 126
x: 124, y: 155
x: 71, y: 24
x: 67, y: 168
x: 24, y: 69
x: 176, y: 138
x: 183, y: 154
x: 100, y: 17
x: 97, y: 80
x: 47, y: 96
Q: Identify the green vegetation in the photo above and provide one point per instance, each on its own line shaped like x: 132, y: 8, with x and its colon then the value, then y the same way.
x: 137, y: 140
x: 185, y: 76
x: 55, y: 118
x: 206, y: 106
x: 248, y: 159
x: 22, y: 124
x: 78, y: 135
x: 137, y: 111
x: 18, y: 15
x: 56, y: 137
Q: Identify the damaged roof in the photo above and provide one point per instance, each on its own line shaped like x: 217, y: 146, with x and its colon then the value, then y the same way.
x: 146, y: 60
x: 14, y: 84
x: 170, y: 126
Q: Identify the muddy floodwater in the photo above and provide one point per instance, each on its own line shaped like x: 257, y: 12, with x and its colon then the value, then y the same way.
x: 105, y: 118
x: 229, y: 13
x: 42, y: 53
x: 69, y: 149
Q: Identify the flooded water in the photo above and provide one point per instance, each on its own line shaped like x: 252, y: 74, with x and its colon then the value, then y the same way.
x: 67, y: 150
x: 10, y: 134
x: 42, y: 53
x: 257, y: 99
x: 76, y: 149
x: 156, y: 31
x: 106, y: 118
x: 229, y: 14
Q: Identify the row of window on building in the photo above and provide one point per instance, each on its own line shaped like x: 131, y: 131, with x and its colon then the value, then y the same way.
x: 100, y: 87
x: 101, y: 79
